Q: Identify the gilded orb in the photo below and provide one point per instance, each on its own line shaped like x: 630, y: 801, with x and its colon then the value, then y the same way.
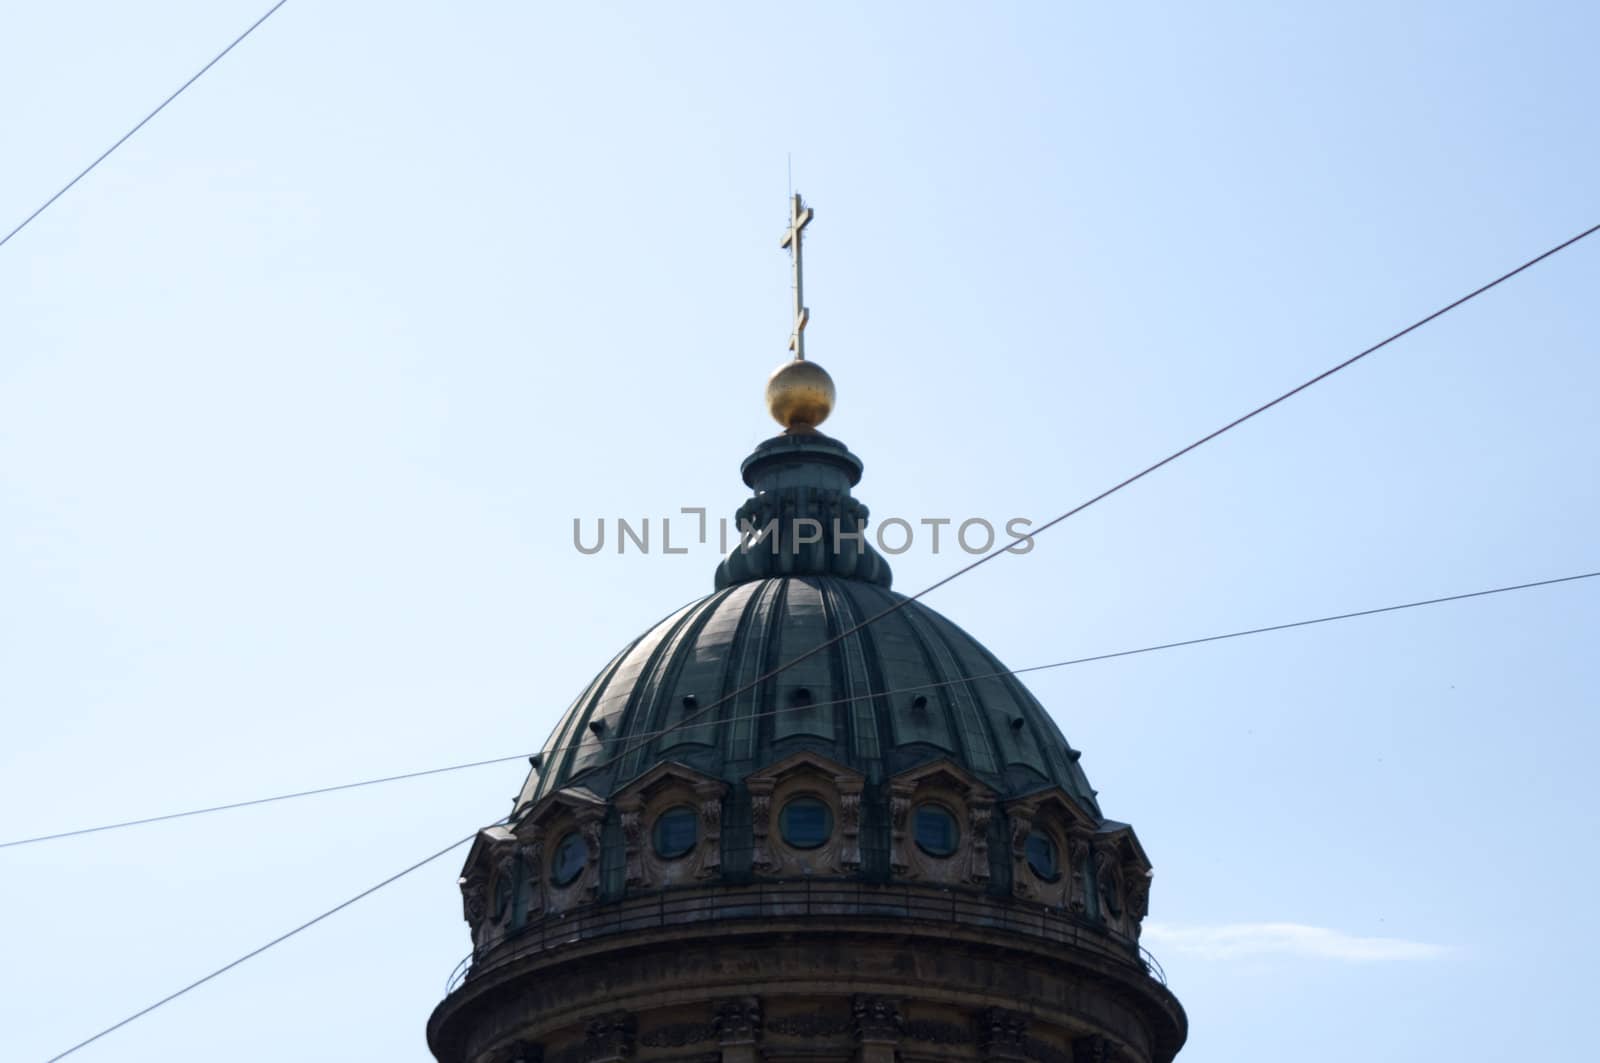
x: 800, y: 395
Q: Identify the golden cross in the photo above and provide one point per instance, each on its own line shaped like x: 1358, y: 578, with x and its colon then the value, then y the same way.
x: 799, y: 218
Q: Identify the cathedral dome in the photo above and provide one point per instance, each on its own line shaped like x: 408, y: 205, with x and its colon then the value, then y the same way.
x: 805, y: 817
x: 907, y: 689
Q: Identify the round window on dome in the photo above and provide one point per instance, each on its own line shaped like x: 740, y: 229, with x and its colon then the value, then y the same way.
x: 1042, y: 859
x: 572, y: 852
x: 936, y: 831
x: 806, y: 822
x: 676, y: 831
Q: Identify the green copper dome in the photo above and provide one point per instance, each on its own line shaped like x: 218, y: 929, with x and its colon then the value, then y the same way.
x: 908, y: 688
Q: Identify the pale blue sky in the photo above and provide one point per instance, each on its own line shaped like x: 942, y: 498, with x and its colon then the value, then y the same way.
x: 300, y: 392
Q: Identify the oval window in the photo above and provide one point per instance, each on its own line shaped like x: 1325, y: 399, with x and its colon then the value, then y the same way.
x: 806, y: 822
x: 571, y: 854
x: 936, y: 830
x: 676, y: 831
x: 1041, y: 852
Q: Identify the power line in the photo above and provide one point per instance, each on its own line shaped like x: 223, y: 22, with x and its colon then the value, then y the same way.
x: 261, y: 800
x: 280, y: 939
x: 1034, y: 668
x: 1141, y: 474
x: 159, y: 108
x: 600, y: 742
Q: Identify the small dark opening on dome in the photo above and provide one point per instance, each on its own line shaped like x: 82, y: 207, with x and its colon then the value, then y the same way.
x: 801, y: 696
x: 597, y: 726
x: 534, y: 761
x: 920, y: 702
x: 1016, y: 723
x: 690, y: 701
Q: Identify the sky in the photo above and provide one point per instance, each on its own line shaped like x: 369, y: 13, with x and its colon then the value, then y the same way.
x: 302, y: 390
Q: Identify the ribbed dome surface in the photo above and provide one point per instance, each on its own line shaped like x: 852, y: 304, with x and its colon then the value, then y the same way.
x: 909, y: 688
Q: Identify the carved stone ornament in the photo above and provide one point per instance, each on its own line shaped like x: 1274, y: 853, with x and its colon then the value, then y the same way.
x: 1021, y: 826
x: 978, y: 816
x: 876, y: 1019
x: 630, y: 814
x: 610, y: 1037
x: 850, y: 826
x: 520, y: 1052
x: 710, y: 801
x: 936, y: 1032
x: 590, y: 827
x: 1091, y: 1049
x: 475, y: 901
x: 899, y: 815
x: 1001, y: 1030
x: 1077, y: 851
x: 1108, y: 882
x: 760, y: 823
x: 737, y: 1020
x: 811, y: 1026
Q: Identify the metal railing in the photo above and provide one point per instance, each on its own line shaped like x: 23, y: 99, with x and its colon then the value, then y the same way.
x: 685, y: 906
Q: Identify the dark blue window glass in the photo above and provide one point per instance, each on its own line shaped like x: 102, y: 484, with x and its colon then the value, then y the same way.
x: 806, y: 823
x: 936, y: 830
x: 1041, y: 852
x: 571, y: 854
x: 676, y: 832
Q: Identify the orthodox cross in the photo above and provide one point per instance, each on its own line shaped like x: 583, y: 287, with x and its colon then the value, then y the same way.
x: 799, y: 218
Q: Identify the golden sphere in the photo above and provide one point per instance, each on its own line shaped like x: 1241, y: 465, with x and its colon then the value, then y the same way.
x: 800, y: 395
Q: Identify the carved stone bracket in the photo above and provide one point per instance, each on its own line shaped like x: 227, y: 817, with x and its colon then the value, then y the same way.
x: 1001, y: 1033
x: 1091, y: 1049
x: 899, y: 815
x: 629, y: 812
x: 610, y: 1038
x: 520, y: 1052
x: 877, y: 1019
x: 737, y: 1020
x: 760, y: 823
x: 850, y: 821
x: 979, y: 814
x: 710, y: 798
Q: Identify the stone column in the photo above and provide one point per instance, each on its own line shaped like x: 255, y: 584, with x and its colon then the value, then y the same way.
x: 738, y: 1025
x: 1001, y: 1034
x: 877, y: 1028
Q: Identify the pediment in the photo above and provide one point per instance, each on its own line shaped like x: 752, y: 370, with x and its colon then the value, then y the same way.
x: 1055, y: 799
x: 804, y: 761
x: 943, y: 771
x: 579, y: 801
x: 667, y: 774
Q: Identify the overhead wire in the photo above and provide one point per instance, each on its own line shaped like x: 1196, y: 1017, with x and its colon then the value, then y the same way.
x: 1142, y: 473
x: 64, y: 189
x: 253, y: 953
x: 598, y: 742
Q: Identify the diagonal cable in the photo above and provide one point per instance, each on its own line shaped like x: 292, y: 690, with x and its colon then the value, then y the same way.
x: 931, y: 685
x: 141, y: 124
x: 253, y: 953
x: 1136, y: 477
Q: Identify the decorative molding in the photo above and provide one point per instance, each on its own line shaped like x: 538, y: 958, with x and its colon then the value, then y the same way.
x: 678, y: 1034
x: 937, y: 1032
x: 811, y: 1025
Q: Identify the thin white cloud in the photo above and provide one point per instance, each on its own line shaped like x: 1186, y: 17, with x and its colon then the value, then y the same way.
x: 1237, y: 940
